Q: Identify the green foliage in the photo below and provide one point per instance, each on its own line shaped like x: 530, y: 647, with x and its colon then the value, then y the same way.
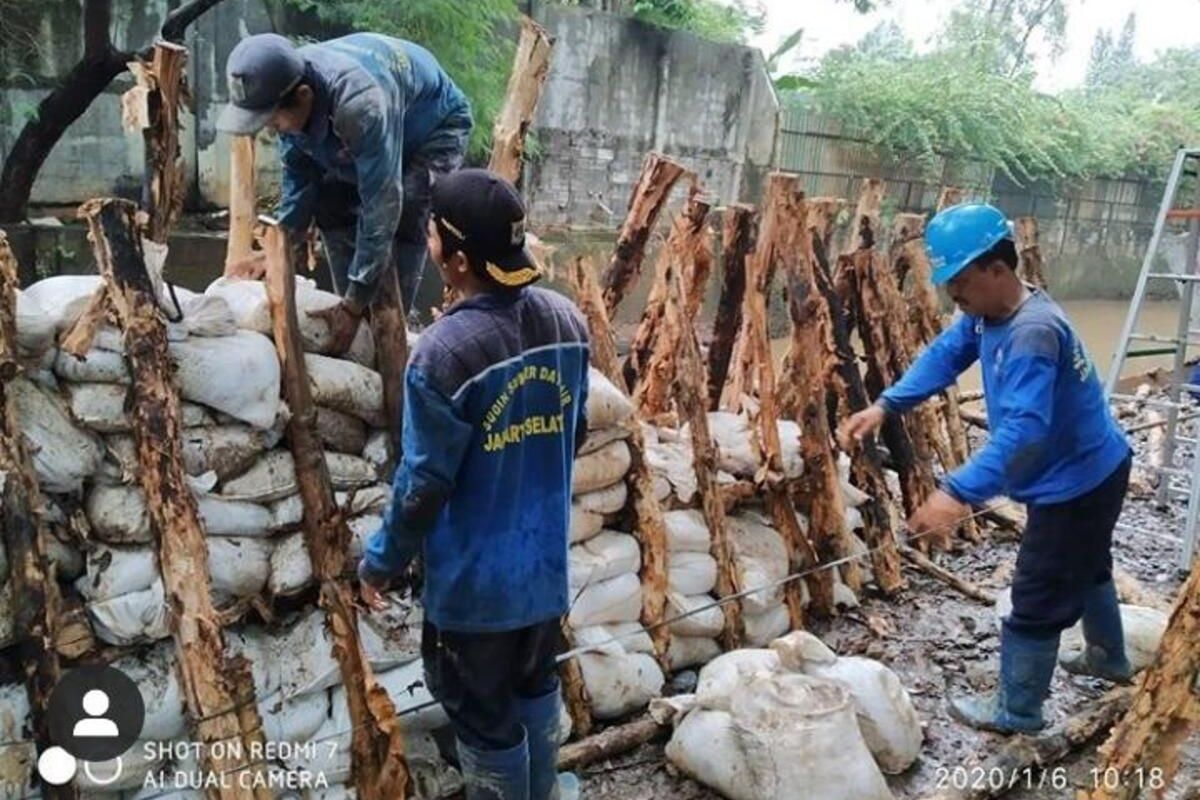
x: 474, y: 41
x: 732, y: 21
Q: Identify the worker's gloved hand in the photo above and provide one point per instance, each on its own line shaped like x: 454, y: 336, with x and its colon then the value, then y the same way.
x: 252, y: 267
x: 343, y: 322
x: 937, y: 518
x: 859, y: 426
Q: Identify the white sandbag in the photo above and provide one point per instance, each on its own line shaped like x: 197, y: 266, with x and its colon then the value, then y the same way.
x: 1143, y: 628
x: 378, y: 452
x: 886, y: 716
x: 605, y: 556
x: 598, y: 438
x: 720, y: 676
x: 735, y: 448
x: 601, y: 469
x: 609, y: 500
x: 607, y: 406
x: 292, y: 719
x: 157, y: 679
x: 291, y: 566
x: 760, y: 558
x: 673, y: 465
x: 391, y: 637
x: 690, y: 651
x: 18, y: 758
x: 237, y: 374
x: 584, y: 524
x: 101, y: 407
x: 238, y: 566
x: 225, y: 450
x: 206, y: 315
x: 347, y: 387
x: 118, y: 515
x: 131, y: 618
x: 620, y: 684
x: 762, y: 629
x: 407, y: 687
x: 784, y: 731
x: 114, y: 571
x: 691, y: 573
x: 615, y: 637
x: 96, y: 366
x: 687, y: 532
x: 223, y: 517
x: 661, y: 488
x: 707, y: 623
x: 852, y: 496
x: 615, y: 600
x: 35, y: 328
x: 287, y: 514
x: 63, y: 454
x: 62, y: 298
x: 305, y: 656
x: 273, y: 476
x: 843, y: 596
x: 340, y: 432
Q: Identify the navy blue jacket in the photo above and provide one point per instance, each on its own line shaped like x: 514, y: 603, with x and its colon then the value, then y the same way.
x: 494, y: 411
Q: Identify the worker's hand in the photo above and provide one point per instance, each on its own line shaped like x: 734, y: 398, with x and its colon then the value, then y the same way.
x: 252, y: 267
x: 372, y: 596
x: 343, y: 322
x: 937, y: 518
x: 859, y: 426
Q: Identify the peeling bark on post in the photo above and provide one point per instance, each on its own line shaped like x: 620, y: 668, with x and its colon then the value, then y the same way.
x: 602, y: 346
x: 165, y: 184
x: 390, y: 329
x: 24, y: 535
x: 218, y: 690
x: 1165, y: 709
x: 782, y: 209
x: 531, y: 65
x: 737, y: 243
x: 242, y: 199
x: 658, y: 177
x: 1030, y: 251
x: 575, y: 694
x: 686, y: 252
x: 377, y: 761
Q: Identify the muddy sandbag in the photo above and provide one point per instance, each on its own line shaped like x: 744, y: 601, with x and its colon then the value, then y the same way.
x: 691, y: 573
x: 291, y: 566
x: 18, y: 758
x: 157, y: 679
x: 273, y: 476
x: 224, y: 450
x: 114, y: 571
x: 886, y: 716
x: 378, y: 452
x: 292, y: 719
x: 597, y: 439
x: 132, y: 618
x: 288, y: 513
x: 237, y: 567
x: 237, y: 374
x: 707, y: 623
x: 763, y: 628
x: 616, y: 600
x: 720, y: 676
x: 101, y: 407
x: 62, y: 298
x: 760, y: 558
x: 607, y: 406
x: 687, y: 531
x: 96, y: 366
x: 118, y: 515
x: 35, y: 328
x: 340, y: 432
x: 784, y: 731
x: 347, y: 387
x: 63, y: 454
x: 391, y: 637
x: 619, y: 683
x: 601, y: 469
x: 690, y: 651
x: 604, y: 556
x: 584, y: 524
x: 609, y: 500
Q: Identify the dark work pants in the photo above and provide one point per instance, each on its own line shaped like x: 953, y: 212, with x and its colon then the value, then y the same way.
x: 480, y: 677
x: 1066, y: 549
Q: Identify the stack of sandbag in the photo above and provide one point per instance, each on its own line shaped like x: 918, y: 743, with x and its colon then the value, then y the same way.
x: 691, y: 579
x: 760, y: 559
x: 605, y: 591
x: 765, y: 721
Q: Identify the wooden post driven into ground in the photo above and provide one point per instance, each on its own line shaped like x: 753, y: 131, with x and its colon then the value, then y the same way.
x: 602, y: 346
x: 531, y: 66
x: 24, y: 535
x: 847, y: 394
x: 737, y: 243
x: 1029, y: 251
x: 377, y: 749
x: 782, y: 212
x: 658, y: 177
x: 218, y: 690
x: 1144, y: 745
x: 242, y: 213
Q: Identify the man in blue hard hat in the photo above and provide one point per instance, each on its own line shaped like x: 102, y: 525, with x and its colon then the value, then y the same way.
x: 363, y: 123
x: 1054, y: 446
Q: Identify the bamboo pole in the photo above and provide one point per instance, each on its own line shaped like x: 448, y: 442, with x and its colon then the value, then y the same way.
x: 218, y: 690
x: 24, y: 535
x: 531, y: 66
x: 378, y: 768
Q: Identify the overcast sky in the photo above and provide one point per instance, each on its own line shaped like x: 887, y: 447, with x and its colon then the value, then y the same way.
x: 828, y: 24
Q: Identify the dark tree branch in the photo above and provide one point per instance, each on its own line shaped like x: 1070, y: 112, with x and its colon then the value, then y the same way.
x: 97, y: 14
x: 177, y: 22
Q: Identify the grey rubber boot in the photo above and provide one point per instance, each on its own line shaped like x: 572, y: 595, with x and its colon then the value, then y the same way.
x: 539, y: 715
x: 495, y: 774
x: 1026, y: 666
x: 1103, y: 654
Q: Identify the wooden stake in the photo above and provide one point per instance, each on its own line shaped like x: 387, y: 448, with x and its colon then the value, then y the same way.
x: 930, y: 567
x: 531, y: 66
x: 24, y: 535
x: 782, y: 211
x: 602, y: 345
x: 165, y: 183
x: 377, y: 749
x: 218, y: 690
x: 611, y: 742
x: 575, y: 694
x: 1030, y: 252
x: 390, y: 328
x: 659, y: 175
x: 737, y: 243
x: 1166, y: 709
x: 242, y: 198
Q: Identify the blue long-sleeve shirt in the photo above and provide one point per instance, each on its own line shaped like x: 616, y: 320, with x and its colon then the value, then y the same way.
x: 1052, y: 435
x: 494, y: 411
x: 376, y: 100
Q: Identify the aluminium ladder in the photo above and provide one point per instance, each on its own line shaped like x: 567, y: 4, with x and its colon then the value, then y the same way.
x: 1176, y: 481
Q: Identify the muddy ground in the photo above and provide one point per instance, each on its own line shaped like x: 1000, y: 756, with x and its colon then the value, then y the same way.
x: 941, y: 642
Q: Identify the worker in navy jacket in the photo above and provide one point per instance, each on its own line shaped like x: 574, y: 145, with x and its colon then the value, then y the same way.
x: 1054, y: 446
x: 363, y: 123
x: 494, y: 412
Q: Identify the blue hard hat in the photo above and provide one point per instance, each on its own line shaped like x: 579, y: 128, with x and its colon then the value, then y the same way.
x: 960, y: 234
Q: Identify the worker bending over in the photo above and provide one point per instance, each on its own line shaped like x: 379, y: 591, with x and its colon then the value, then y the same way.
x: 364, y: 121
x: 494, y: 412
x: 1053, y: 446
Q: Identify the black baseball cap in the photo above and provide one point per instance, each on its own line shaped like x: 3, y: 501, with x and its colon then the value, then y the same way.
x: 482, y: 214
x: 261, y: 70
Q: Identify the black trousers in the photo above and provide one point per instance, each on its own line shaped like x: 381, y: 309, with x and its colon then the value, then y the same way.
x: 1066, y: 549
x: 479, y: 678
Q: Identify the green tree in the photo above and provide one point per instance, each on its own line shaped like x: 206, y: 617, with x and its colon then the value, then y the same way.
x: 1111, y: 61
